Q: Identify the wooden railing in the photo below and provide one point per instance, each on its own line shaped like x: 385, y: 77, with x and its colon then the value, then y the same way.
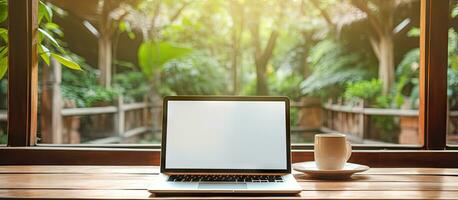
x: 371, y: 111
x: 333, y: 117
x: 354, y: 121
x: 119, y: 114
x: 118, y: 111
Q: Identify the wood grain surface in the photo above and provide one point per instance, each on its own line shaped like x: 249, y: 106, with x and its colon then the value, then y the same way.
x: 131, y: 182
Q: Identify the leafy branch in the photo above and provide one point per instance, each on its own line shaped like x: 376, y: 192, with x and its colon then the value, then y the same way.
x: 49, y: 46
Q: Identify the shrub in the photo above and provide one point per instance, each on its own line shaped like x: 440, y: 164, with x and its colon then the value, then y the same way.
x: 367, y: 90
x: 3, y: 137
x: 332, y: 66
x: 286, y: 86
x: 197, y: 74
x: 370, y: 91
x: 387, y: 128
x: 132, y: 85
x: 406, y: 86
x: 83, y: 88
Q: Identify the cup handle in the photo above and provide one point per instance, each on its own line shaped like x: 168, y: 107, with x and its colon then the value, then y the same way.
x: 348, y: 150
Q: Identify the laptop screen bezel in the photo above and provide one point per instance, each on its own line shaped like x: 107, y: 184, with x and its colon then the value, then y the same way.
x: 224, y: 98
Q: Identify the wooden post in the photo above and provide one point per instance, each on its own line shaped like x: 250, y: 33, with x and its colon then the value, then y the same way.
x: 145, y: 111
x: 330, y: 117
x: 105, y: 59
x: 362, y: 126
x: 156, y: 113
x: 51, y: 104
x: 310, y: 113
x: 409, y: 130
x: 22, y: 72
x: 120, y: 116
x: 106, y: 30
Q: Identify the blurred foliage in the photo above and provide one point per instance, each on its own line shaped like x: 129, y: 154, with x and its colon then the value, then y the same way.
x: 407, y: 74
x: 452, y: 73
x: 82, y: 87
x: 331, y: 68
x: 3, y: 137
x: 286, y: 86
x: 367, y: 90
x: 279, y: 85
x: 386, y: 127
x: 294, y: 116
x: 189, y: 46
x: 125, y: 27
x: 3, y: 10
x: 370, y: 91
x: 132, y: 85
x: 3, y: 93
x: 188, y: 49
x: 196, y: 74
x: 406, y: 87
x: 152, y: 56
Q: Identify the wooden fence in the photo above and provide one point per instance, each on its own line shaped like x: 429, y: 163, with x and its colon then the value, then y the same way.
x: 355, y: 122
x: 119, y: 112
x: 65, y: 128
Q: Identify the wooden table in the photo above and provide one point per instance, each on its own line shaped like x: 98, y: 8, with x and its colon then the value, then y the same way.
x: 130, y: 182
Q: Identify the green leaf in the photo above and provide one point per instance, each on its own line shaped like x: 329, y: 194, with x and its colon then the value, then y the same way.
x: 3, y: 66
x: 44, y: 11
x: 66, y: 62
x: 124, y: 64
x: 44, y: 53
x: 3, y: 11
x: 124, y: 26
x: 414, y: 32
x: 49, y: 37
x: 4, y: 34
x: 131, y: 35
x: 453, y: 62
x: 152, y: 56
x: 3, y: 51
x: 51, y: 26
x: 454, y: 12
x: 54, y: 28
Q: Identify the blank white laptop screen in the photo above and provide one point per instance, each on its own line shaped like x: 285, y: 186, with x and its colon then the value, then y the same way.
x: 226, y: 135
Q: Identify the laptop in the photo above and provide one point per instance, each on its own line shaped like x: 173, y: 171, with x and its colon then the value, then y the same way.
x: 219, y: 144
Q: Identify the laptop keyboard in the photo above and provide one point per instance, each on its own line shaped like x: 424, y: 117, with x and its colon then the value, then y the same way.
x: 226, y: 178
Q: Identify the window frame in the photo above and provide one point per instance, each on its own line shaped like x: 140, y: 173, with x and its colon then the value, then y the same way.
x: 23, y: 92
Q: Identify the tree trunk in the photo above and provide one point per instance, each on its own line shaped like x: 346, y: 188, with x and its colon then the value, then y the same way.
x: 261, y: 60
x: 261, y: 55
x: 261, y: 80
x: 106, y: 30
x: 384, y: 50
x: 51, y: 104
x: 386, y: 62
x: 105, y: 55
x: 304, y: 67
x: 234, y: 67
x: 381, y: 22
x: 305, y: 71
x: 238, y: 23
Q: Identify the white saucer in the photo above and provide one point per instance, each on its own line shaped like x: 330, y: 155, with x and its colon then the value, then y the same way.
x: 312, y: 170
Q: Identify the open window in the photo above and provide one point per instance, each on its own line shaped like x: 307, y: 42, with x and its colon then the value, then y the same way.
x: 374, y: 71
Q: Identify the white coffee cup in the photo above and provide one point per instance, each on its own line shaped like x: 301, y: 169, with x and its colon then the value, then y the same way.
x: 332, y: 151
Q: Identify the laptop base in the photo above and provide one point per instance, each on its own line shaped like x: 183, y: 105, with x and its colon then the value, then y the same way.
x: 288, y: 186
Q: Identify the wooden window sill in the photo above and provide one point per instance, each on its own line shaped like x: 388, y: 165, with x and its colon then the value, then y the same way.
x: 123, y: 156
